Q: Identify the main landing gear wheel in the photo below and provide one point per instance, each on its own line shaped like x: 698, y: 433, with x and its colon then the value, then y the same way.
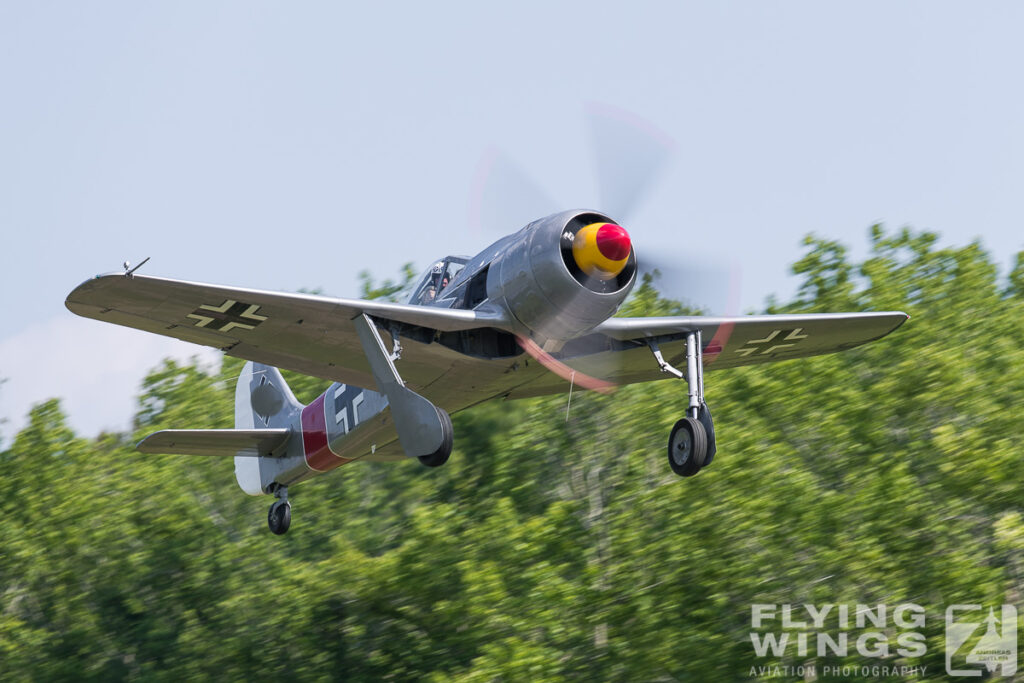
x: 687, y: 447
x: 440, y: 456
x: 280, y: 516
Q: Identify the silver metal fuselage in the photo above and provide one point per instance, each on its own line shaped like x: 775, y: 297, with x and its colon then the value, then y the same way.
x: 524, y: 277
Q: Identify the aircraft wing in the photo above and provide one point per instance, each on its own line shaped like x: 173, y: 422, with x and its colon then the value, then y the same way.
x: 307, y: 333
x: 315, y: 335
x: 618, y: 352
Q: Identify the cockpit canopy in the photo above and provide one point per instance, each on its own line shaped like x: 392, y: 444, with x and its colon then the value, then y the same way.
x: 436, y: 278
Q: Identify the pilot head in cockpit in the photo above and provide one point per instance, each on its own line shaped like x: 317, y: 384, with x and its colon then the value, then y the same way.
x: 437, y: 282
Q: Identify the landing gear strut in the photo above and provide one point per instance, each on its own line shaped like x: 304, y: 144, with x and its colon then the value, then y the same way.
x: 280, y: 516
x: 691, y: 443
x: 424, y: 430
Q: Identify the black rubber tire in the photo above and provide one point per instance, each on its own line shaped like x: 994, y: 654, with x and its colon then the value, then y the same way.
x: 687, y: 447
x: 709, y: 429
x: 440, y: 456
x: 280, y: 517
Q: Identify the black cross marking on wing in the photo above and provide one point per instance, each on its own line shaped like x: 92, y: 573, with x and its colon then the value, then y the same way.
x: 227, y: 316
x: 776, y: 340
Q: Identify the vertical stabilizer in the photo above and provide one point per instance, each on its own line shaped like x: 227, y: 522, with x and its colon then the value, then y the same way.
x: 262, y: 401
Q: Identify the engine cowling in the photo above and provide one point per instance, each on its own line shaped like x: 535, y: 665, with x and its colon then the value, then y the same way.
x: 563, y: 275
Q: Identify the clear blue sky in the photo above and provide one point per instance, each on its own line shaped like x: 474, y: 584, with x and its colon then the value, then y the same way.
x: 288, y: 145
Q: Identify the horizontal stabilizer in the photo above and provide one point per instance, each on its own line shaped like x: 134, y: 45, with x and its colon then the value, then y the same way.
x: 225, y: 442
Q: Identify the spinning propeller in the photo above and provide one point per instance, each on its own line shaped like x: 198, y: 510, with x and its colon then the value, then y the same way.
x: 630, y: 155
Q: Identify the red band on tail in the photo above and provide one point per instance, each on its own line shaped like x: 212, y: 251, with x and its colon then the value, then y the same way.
x: 319, y: 456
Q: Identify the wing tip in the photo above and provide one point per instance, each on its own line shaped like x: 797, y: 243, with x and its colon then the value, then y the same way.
x: 85, y: 287
x: 146, y: 445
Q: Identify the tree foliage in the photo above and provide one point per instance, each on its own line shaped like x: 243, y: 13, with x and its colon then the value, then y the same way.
x: 548, y: 548
x: 386, y: 289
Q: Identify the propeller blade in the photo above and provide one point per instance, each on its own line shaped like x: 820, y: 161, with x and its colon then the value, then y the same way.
x: 630, y: 155
x: 567, y: 373
x: 505, y: 197
x: 709, y: 285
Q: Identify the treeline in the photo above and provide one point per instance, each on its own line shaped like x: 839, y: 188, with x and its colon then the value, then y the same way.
x: 550, y: 548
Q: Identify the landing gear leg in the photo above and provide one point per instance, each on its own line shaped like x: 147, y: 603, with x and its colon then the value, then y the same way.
x: 280, y: 516
x: 424, y: 430
x: 691, y: 443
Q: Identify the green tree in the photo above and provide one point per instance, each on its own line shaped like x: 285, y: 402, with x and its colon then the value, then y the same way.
x: 386, y: 289
x: 550, y: 547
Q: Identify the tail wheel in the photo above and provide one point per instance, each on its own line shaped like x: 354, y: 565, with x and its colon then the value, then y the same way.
x: 687, y: 447
x: 440, y: 456
x: 280, y: 516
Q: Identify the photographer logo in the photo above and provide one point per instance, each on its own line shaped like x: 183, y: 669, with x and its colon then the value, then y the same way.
x: 976, y: 642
